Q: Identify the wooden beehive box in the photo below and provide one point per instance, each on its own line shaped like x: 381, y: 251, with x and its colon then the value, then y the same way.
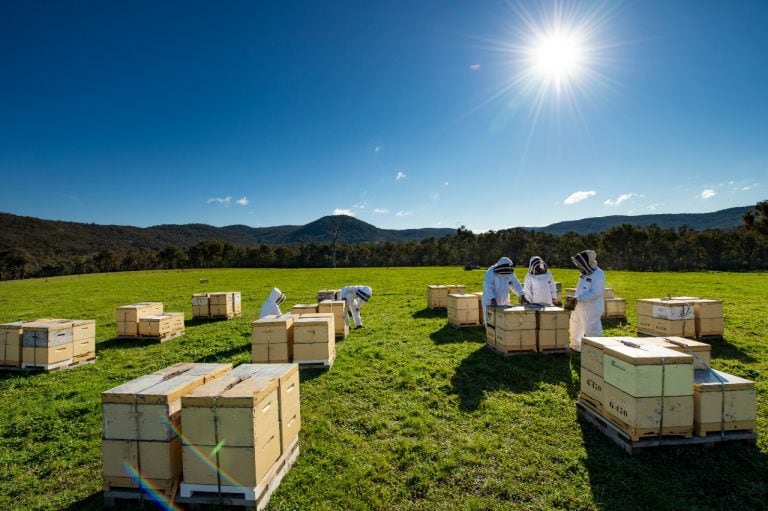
x: 437, y: 296
x: 47, y: 343
x: 231, y: 429
x: 339, y: 309
x: 553, y: 323
x: 224, y: 304
x: 288, y: 399
x: 83, y: 339
x: 128, y: 317
x: 592, y: 351
x: 700, y: 351
x: 141, y: 425
x: 304, y: 308
x: 200, y: 307
x: 272, y: 339
x: 648, y: 370
x: 515, y: 329
x: 162, y: 325
x: 648, y: 416
x: 313, y: 338
x: 591, y: 389
x: 707, y: 315
x: 615, y: 308
x: 328, y: 294
x: 665, y: 317
x: 463, y: 309
x: 723, y: 402
x: 11, y: 336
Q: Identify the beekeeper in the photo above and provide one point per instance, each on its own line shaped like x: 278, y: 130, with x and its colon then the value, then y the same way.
x: 539, y: 285
x: 272, y: 305
x: 356, y: 297
x: 589, y: 307
x: 499, y: 279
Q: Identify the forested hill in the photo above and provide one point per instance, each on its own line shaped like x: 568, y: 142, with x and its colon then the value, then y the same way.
x: 725, y: 219
x: 36, y: 235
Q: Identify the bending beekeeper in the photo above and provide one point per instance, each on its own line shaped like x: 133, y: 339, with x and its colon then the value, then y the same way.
x: 585, y: 318
x: 539, y: 285
x: 272, y: 305
x: 498, y: 281
x: 356, y: 297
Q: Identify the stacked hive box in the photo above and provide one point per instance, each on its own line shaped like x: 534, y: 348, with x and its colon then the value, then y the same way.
x: 515, y: 328
x: 200, y: 307
x: 83, y: 340
x: 272, y: 339
x: 226, y: 304
x: 162, y: 326
x: 231, y: 432
x: 437, y: 295
x: 304, y: 308
x: 552, y: 328
x: 47, y: 344
x: 11, y: 337
x: 288, y: 399
x: 723, y: 402
x: 614, y: 307
x: 314, y: 339
x: 707, y: 315
x: 328, y: 294
x: 701, y: 352
x: 339, y: 309
x: 648, y: 390
x: 128, y: 317
x: 663, y: 317
x: 141, y: 426
x: 464, y: 310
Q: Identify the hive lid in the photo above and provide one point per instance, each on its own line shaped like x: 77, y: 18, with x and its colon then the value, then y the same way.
x: 48, y: 324
x: 231, y: 390
x: 165, y: 385
x: 317, y: 318
x: 646, y: 354
x: 601, y: 342
x: 711, y: 380
x: 690, y: 343
x: 551, y: 308
x: 273, y: 320
x: 281, y: 371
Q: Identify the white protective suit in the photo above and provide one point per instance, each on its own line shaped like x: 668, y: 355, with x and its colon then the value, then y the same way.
x: 539, y: 287
x: 272, y: 305
x: 499, y: 279
x: 585, y: 317
x: 356, y: 296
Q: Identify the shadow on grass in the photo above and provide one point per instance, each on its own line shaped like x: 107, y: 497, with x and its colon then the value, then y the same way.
x: 721, y: 348
x: 430, y: 313
x: 96, y: 501
x: 484, y: 371
x: 614, y: 322
x: 123, y: 343
x: 449, y: 334
x: 729, y: 475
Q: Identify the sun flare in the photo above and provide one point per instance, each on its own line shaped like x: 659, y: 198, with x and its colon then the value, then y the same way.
x: 557, y: 56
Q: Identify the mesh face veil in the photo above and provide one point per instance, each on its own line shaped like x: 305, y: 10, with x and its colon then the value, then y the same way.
x: 585, y: 261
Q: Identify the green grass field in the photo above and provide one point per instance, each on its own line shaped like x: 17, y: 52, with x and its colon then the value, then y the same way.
x: 413, y: 414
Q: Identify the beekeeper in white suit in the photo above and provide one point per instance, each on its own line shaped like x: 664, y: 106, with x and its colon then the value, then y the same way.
x: 539, y: 285
x: 585, y: 318
x: 272, y: 305
x: 499, y: 279
x: 356, y: 297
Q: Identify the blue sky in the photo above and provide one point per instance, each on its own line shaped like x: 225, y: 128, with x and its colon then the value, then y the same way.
x: 403, y: 113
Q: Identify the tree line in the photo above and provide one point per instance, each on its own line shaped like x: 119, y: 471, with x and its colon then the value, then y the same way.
x: 624, y: 247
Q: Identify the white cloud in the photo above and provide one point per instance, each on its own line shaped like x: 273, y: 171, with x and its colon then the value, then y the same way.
x: 404, y: 213
x: 359, y: 205
x: 621, y: 198
x: 340, y: 211
x: 221, y: 200
x: 400, y: 175
x: 474, y: 67
x: 445, y: 183
x: 242, y: 201
x: 652, y: 207
x: 381, y: 211
x: 579, y: 196
x: 434, y: 196
x: 438, y: 224
x: 708, y: 193
x: 376, y: 149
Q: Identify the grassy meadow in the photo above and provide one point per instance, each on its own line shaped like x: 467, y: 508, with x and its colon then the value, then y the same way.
x: 413, y: 415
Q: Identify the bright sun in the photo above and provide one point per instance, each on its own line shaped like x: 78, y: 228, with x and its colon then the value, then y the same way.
x: 557, y: 56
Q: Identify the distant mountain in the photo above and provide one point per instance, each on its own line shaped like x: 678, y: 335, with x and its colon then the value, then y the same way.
x: 725, y: 219
x: 49, y: 236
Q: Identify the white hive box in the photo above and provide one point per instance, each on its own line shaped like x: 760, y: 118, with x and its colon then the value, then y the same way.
x: 141, y: 424
x: 339, y: 310
x: 11, y: 336
x: 665, y: 317
x: 128, y: 317
x: 162, y: 326
x: 314, y: 339
x: 648, y: 390
x: 463, y: 310
x: 553, y: 324
x: 200, y: 306
x: 592, y: 351
x: 723, y: 402
x: 231, y: 430
x: 47, y: 343
x: 272, y: 339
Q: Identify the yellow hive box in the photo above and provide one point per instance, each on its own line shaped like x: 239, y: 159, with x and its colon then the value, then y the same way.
x: 553, y: 318
x: 723, y: 401
x: 615, y: 308
x: 304, y: 308
x: 648, y: 370
x: 592, y: 388
x: 288, y: 398
x: 47, y: 343
x: 462, y: 301
x: 661, y: 308
x: 642, y: 416
x: 553, y: 339
x: 490, y: 335
x: 128, y: 317
x: 339, y: 309
x: 11, y: 336
x: 272, y: 339
x: 510, y: 341
x: 592, y: 351
x: 464, y: 309
x: 516, y: 318
x: 200, y: 306
x: 708, y: 315
x: 224, y: 304
x: 161, y: 325
x: 313, y: 338
x: 673, y: 327
x: 437, y: 295
x: 700, y: 351
x: 141, y: 422
x: 84, y: 339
